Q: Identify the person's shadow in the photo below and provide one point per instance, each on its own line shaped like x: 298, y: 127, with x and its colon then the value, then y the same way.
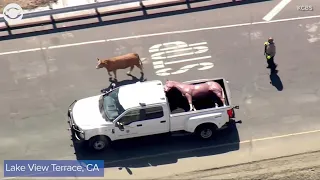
x: 275, y: 79
x: 116, y: 83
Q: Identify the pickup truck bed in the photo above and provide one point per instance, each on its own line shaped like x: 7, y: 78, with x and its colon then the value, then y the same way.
x: 178, y: 103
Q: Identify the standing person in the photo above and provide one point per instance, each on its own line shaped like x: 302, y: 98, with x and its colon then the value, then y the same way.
x: 270, y: 52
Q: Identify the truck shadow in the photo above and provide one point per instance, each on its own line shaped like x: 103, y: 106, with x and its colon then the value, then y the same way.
x: 161, y: 149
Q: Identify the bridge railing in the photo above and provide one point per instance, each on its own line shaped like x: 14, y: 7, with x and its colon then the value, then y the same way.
x: 75, y: 8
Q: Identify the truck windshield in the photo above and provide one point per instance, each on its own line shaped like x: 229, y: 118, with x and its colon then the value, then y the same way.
x: 110, y: 106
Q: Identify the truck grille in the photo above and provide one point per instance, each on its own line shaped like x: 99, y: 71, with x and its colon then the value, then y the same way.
x: 70, y: 117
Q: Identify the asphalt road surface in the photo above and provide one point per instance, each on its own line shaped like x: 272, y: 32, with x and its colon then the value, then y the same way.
x: 37, y: 87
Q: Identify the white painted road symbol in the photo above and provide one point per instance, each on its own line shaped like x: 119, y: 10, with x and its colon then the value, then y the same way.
x: 202, y: 66
x: 12, y: 12
x: 178, y: 49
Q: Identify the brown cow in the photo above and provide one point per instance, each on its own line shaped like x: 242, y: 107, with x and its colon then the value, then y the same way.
x: 121, y: 62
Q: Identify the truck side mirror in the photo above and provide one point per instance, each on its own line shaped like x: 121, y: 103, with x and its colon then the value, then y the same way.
x: 113, y: 85
x: 120, y: 125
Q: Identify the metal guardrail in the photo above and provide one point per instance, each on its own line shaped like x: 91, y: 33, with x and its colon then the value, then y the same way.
x: 76, y: 8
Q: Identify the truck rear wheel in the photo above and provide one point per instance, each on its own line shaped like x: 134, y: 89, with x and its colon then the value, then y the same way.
x: 206, y: 131
x: 99, y: 143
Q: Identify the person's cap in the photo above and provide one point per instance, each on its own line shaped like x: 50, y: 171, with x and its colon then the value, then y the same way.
x: 270, y: 39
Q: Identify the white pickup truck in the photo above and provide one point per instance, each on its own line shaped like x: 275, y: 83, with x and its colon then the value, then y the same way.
x: 142, y: 109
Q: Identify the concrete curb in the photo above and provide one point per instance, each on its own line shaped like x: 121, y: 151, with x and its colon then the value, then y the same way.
x: 90, y: 13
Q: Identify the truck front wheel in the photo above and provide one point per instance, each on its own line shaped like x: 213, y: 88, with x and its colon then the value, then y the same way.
x: 206, y: 131
x: 99, y: 143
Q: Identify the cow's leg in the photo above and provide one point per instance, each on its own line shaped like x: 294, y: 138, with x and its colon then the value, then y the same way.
x: 115, y: 74
x: 220, y: 96
x: 189, y: 97
x: 110, y: 74
x: 129, y: 72
x: 140, y: 67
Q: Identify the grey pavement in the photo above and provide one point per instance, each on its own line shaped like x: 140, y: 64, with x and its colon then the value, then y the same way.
x: 39, y: 86
x: 291, y: 9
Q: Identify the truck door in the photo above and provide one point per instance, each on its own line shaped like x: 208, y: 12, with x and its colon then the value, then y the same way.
x: 129, y: 121
x: 143, y: 122
x: 155, y: 121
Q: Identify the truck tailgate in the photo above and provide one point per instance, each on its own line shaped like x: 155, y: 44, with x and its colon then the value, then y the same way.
x: 186, y: 121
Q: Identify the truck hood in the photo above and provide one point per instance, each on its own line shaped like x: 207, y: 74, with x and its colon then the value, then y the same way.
x: 86, y: 113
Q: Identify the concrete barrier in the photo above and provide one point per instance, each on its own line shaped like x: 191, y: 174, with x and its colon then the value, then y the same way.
x: 3, y: 25
x: 88, y: 13
x: 119, y: 8
x: 30, y: 21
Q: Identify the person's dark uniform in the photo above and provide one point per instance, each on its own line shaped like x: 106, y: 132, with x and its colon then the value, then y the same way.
x: 270, y: 52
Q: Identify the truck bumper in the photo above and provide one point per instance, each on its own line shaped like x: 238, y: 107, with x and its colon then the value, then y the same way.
x: 76, y: 133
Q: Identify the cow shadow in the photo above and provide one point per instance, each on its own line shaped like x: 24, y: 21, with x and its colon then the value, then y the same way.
x: 275, y: 80
x: 160, y: 149
x: 117, y: 83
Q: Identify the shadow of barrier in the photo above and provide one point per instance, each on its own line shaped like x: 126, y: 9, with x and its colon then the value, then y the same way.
x: 161, y: 149
x: 77, y: 20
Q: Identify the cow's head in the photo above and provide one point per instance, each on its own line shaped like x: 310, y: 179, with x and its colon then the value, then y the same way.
x: 101, y: 64
x: 168, y: 85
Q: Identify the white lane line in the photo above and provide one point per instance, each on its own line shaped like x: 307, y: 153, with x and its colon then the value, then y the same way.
x: 76, y: 44
x: 213, y: 28
x: 20, y: 51
x: 179, y: 32
x: 30, y: 50
x: 197, y: 149
x: 167, y: 33
x: 9, y: 52
x: 187, y: 60
x: 276, y: 10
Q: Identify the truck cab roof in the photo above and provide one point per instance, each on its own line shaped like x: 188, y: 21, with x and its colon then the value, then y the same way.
x: 147, y: 93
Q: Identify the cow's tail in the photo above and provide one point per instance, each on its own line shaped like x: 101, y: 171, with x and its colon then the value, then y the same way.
x: 223, y: 97
x: 141, y: 64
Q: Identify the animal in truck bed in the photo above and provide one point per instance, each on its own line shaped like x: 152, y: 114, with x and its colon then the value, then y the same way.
x: 191, y: 91
x: 120, y: 62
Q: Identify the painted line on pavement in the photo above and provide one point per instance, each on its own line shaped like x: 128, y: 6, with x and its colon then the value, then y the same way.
x: 160, y: 34
x: 20, y: 51
x: 276, y: 10
x: 214, y: 28
x: 216, y: 146
x: 30, y: 50
x: 195, y: 149
x: 76, y: 44
x: 187, y: 60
